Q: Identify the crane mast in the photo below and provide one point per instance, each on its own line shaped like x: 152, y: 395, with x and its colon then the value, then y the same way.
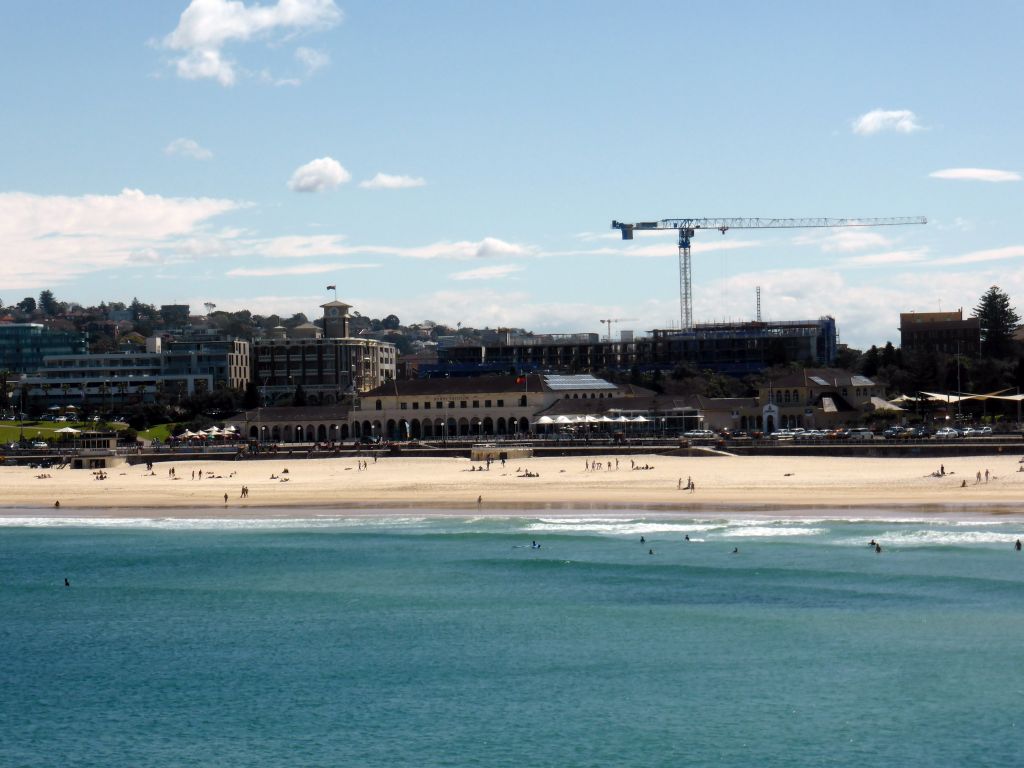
x: 687, y: 228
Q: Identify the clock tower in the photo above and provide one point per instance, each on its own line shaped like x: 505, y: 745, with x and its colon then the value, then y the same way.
x: 336, y: 319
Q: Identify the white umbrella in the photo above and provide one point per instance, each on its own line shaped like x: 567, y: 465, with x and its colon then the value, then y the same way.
x: 544, y: 420
x: 67, y: 431
x: 563, y: 420
x: 641, y: 420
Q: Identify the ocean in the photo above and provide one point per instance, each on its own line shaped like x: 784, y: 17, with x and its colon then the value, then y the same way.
x: 425, y: 641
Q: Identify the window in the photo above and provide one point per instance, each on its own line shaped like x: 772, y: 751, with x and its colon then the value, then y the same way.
x: 451, y: 403
x: 403, y: 406
x: 462, y: 403
x: 378, y: 405
x: 439, y: 405
x: 476, y: 403
x: 487, y: 403
x: 415, y: 406
x: 426, y: 406
x: 501, y: 403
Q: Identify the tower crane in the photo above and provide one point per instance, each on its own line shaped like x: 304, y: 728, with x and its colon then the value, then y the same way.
x: 688, y: 227
x: 611, y: 320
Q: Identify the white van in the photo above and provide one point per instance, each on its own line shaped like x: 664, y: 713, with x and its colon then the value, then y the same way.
x: 860, y: 433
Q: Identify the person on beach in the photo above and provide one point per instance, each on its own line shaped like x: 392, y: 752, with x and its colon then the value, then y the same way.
x: 479, y: 500
x: 986, y: 475
x: 225, y: 499
x: 56, y: 505
x: 942, y: 469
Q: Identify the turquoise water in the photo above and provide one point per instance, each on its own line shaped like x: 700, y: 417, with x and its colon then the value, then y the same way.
x: 416, y: 642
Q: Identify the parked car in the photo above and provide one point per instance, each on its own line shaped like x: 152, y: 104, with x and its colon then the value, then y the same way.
x: 860, y: 433
x: 39, y: 444
x: 983, y: 431
x: 893, y: 432
x: 946, y: 433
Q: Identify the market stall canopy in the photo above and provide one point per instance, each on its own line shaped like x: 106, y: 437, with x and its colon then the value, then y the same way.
x: 883, y: 405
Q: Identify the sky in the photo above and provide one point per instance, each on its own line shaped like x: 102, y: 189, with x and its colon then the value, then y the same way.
x: 462, y: 161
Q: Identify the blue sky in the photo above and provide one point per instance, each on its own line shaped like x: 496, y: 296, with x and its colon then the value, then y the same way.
x: 462, y: 161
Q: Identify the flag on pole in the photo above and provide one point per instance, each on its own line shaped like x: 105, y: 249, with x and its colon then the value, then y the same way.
x: 332, y: 288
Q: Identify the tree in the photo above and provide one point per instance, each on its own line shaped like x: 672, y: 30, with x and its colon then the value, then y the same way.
x: 998, y: 322
x: 48, y: 304
x: 869, y: 363
x: 390, y: 323
x: 27, y: 305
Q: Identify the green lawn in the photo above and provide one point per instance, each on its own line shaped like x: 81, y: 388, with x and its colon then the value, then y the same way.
x: 159, y: 432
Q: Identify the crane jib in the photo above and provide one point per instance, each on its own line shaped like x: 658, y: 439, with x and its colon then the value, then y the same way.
x: 688, y: 227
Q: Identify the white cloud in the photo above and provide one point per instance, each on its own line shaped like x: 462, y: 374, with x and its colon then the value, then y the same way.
x: 305, y: 269
x: 302, y: 246
x: 992, y: 254
x: 845, y: 241
x: 484, y: 306
x: 206, y: 26
x: 318, y: 175
x: 49, y: 240
x: 659, y: 250
x: 312, y: 59
x: 387, y: 181
x: 975, y: 174
x: 878, y: 120
x: 487, y: 273
x: 188, y: 148
x: 488, y: 248
x: 886, y: 258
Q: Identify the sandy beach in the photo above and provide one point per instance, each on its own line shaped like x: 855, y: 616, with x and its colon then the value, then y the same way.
x: 810, y: 485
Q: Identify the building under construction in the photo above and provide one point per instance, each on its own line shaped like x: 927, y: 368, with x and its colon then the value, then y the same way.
x: 736, y: 349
